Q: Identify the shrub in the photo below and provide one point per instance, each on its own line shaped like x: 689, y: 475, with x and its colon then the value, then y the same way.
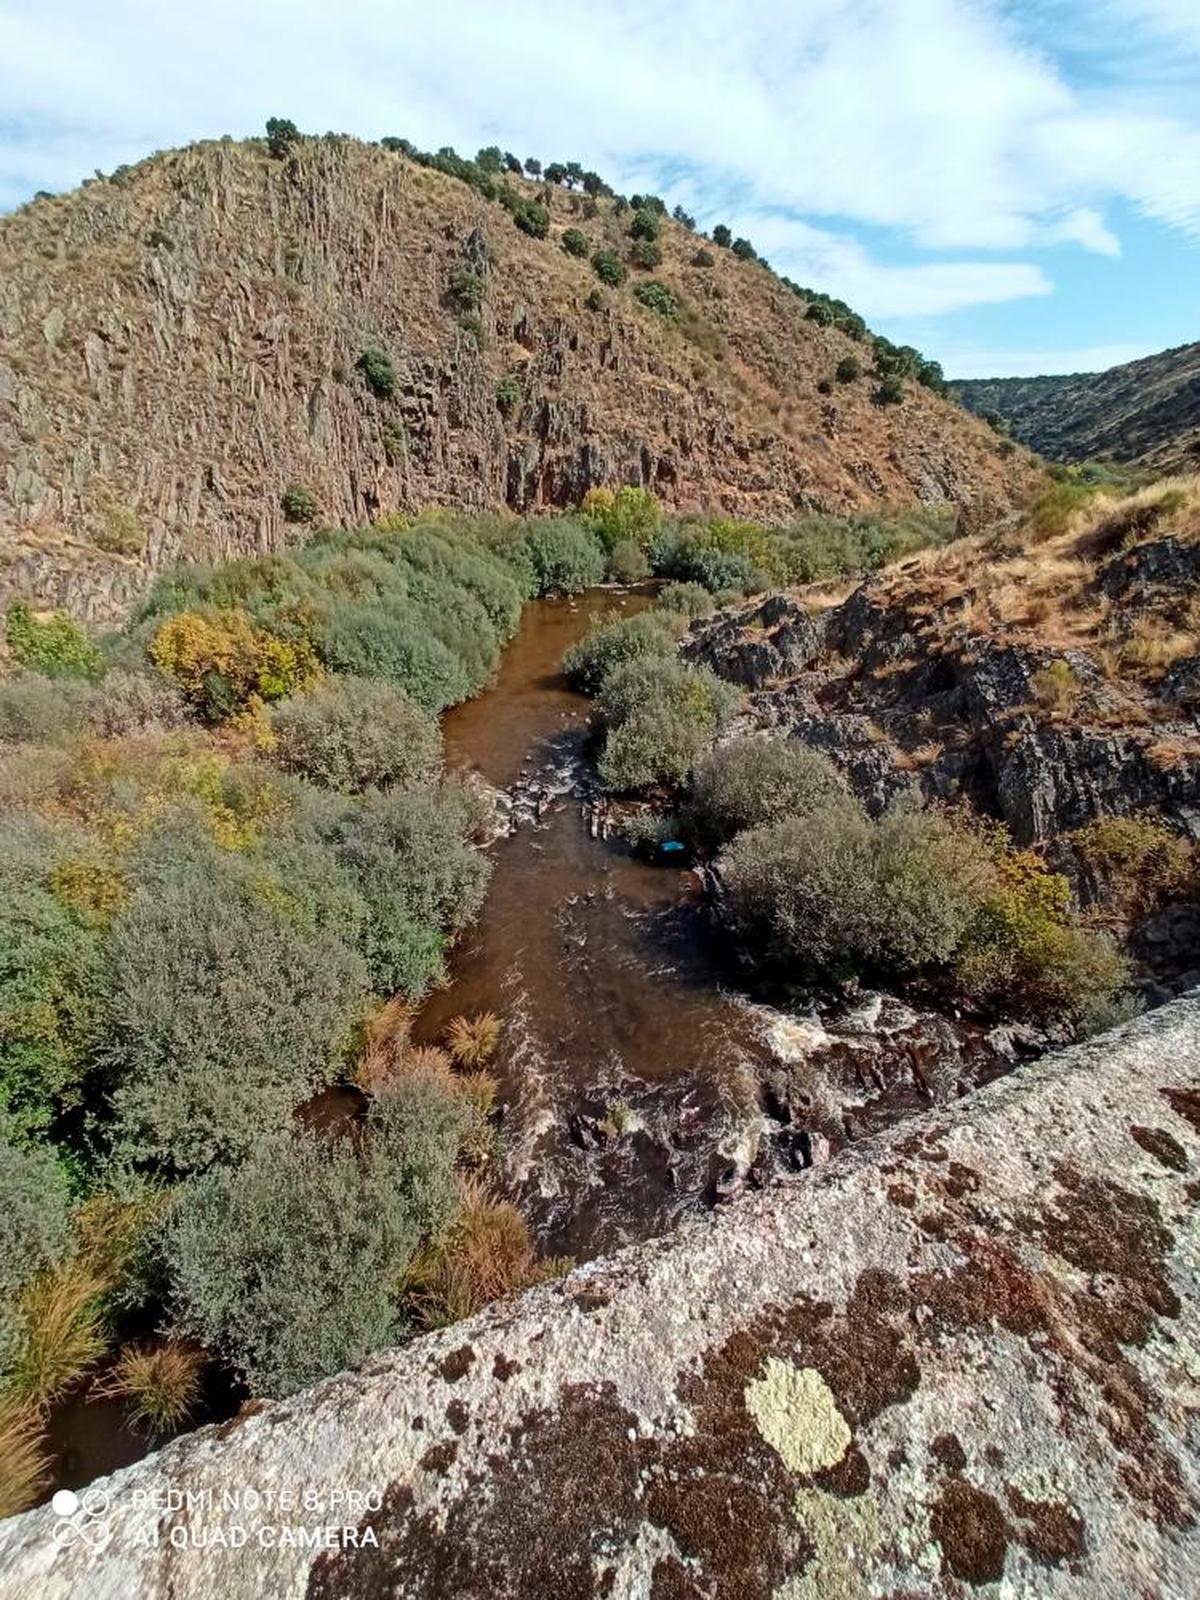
x: 489, y: 1253
x: 53, y: 645
x: 51, y: 965
x: 657, y: 297
x: 532, y: 219
x: 744, y: 250
x: 1138, y: 861
x: 161, y: 1383
x: 849, y: 369
x: 1021, y: 949
x: 803, y: 888
x: 287, y: 1265
x: 830, y: 889
x: 594, y: 301
x: 356, y: 733
x: 627, y: 562
x: 703, y: 258
x: 35, y: 709
x: 394, y: 437
x: 472, y: 1041
x: 378, y: 641
x: 466, y: 289
x: 509, y: 393
x: 566, y: 556
x: 410, y: 858
x: 609, y: 268
x: 1055, y: 686
x: 225, y: 1010
x: 646, y: 254
x: 613, y: 640
x: 574, y: 242
x: 135, y: 702
x: 631, y: 513
x: 644, y: 225
x: 752, y: 780
x: 890, y: 392
x: 722, y: 236
x: 298, y: 504
x: 690, y: 600
x: 35, y: 1226
x: 282, y: 134
x: 660, y: 717
x: 1053, y: 511
x: 220, y: 661
x: 381, y: 377
x: 692, y: 560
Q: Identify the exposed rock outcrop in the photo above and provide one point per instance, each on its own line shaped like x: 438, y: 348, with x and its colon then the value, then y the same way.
x: 961, y: 1356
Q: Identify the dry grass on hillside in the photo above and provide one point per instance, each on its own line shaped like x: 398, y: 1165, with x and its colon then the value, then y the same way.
x: 1039, y: 584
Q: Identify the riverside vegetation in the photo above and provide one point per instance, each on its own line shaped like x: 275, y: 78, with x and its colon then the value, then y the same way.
x: 233, y: 863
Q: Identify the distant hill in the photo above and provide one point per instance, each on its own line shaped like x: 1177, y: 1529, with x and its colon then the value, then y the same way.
x: 1145, y: 412
x: 184, y: 342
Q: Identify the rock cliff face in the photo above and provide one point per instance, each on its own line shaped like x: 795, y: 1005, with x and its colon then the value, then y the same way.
x: 178, y: 345
x: 959, y: 1359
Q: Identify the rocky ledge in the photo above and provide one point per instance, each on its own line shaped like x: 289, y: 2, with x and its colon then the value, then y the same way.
x: 963, y: 1357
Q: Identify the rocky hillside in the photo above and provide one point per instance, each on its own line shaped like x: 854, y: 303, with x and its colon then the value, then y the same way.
x: 181, y: 344
x: 1146, y: 411
x: 1049, y: 676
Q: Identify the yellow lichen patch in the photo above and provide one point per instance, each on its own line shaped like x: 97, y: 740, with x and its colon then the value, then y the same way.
x: 844, y: 1534
x: 798, y: 1416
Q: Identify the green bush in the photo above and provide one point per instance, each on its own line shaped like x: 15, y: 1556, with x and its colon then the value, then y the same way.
x: 690, y: 600
x: 627, y: 562
x: 532, y: 219
x: 224, y: 1011
x: 646, y: 254
x: 35, y: 1225
x: 703, y: 258
x: 849, y: 369
x: 51, y: 978
x: 410, y: 857
x: 380, y: 374
x: 574, y: 242
x: 594, y: 301
x: 890, y: 391
x: 660, y: 716
x: 35, y: 709
x: 289, y: 1266
x: 657, y: 297
x: 567, y: 557
x: 613, y: 640
x: 644, y: 225
x: 375, y: 641
x: 299, y: 504
x: 466, y: 289
x: 55, y: 645
x: 609, y: 268
x: 509, y: 394
x: 356, y: 733
x: 631, y: 513
x: 752, y: 780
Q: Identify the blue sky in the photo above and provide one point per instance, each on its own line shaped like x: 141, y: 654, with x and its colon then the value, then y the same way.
x: 1011, y: 185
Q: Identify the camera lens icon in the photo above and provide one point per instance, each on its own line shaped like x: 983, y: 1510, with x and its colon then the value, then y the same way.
x: 82, y: 1518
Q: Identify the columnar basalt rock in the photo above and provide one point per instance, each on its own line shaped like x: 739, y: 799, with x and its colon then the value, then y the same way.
x: 959, y: 1356
x: 178, y: 345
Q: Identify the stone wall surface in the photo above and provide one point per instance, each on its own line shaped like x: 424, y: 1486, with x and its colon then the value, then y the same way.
x: 963, y: 1358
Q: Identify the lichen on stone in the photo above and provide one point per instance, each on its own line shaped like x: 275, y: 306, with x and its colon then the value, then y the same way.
x: 796, y: 1413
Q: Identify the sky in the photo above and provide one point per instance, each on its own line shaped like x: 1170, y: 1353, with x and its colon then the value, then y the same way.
x: 1011, y: 185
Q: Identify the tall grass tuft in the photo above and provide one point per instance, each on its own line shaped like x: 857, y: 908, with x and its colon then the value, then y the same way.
x: 24, y: 1466
x: 162, y: 1382
x: 472, y: 1041
x: 62, y: 1334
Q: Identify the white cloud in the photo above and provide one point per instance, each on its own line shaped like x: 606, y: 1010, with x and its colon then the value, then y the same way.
x: 940, y: 120
x: 970, y: 362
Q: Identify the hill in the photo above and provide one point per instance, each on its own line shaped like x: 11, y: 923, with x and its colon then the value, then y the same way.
x: 1146, y: 412
x: 184, y: 342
